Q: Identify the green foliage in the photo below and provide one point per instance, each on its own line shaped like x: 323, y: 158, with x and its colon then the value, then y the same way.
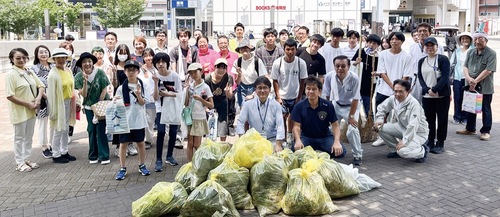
x: 72, y: 13
x: 18, y: 15
x: 119, y: 13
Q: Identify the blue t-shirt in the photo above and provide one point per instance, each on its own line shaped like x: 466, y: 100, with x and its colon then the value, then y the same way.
x: 314, y: 123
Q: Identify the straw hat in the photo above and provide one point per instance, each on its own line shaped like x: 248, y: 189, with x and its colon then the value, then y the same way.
x: 60, y: 52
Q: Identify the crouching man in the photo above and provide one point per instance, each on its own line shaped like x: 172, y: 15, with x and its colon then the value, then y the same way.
x: 406, y: 130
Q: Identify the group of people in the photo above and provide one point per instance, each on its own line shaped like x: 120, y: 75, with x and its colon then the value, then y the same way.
x: 293, y: 91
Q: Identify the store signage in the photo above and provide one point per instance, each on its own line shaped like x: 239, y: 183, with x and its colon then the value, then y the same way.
x: 266, y: 7
x: 87, y: 3
x: 184, y: 3
x: 333, y: 3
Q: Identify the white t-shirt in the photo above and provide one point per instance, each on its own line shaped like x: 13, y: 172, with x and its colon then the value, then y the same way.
x: 172, y: 77
x: 396, y: 66
x: 350, y: 52
x: 198, y: 111
x: 329, y: 53
x: 417, y: 53
x: 248, y: 73
x: 136, y: 113
x: 149, y: 84
x: 289, y: 76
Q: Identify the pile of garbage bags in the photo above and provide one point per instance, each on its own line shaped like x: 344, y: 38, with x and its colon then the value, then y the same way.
x: 222, y: 179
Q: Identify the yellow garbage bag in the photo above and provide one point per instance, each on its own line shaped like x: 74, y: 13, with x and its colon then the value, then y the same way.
x: 206, y: 158
x: 268, y: 180
x: 164, y: 198
x: 235, y: 180
x: 290, y: 159
x: 306, y: 194
x: 338, y: 183
x: 250, y: 149
x: 184, y: 176
x: 305, y: 154
x: 209, y: 199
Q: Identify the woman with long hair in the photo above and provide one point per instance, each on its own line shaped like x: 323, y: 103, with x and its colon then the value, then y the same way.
x: 147, y: 74
x: 22, y: 86
x: 41, y: 68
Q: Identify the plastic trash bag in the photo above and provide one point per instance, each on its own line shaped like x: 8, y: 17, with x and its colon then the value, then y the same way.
x: 250, y: 149
x: 235, y: 180
x: 209, y: 199
x: 365, y: 183
x: 268, y: 180
x: 337, y: 181
x: 163, y: 198
x: 290, y: 159
x: 184, y: 176
x: 206, y: 158
x: 306, y: 194
x: 305, y: 154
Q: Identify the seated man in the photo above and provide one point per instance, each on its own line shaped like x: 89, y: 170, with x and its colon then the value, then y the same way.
x: 406, y: 133
x: 312, y: 117
x: 263, y: 114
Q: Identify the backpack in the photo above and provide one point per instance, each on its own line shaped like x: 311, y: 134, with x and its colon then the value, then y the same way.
x: 255, y: 61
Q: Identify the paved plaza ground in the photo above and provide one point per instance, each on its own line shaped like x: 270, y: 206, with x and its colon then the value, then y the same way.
x: 463, y: 181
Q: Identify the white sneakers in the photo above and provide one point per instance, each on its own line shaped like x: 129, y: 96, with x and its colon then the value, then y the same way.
x: 378, y: 142
x: 132, y: 149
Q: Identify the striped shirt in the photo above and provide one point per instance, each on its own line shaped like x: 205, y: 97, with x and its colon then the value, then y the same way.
x: 269, y: 58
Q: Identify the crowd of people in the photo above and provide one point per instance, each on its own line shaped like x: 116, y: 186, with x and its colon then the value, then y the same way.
x: 293, y: 90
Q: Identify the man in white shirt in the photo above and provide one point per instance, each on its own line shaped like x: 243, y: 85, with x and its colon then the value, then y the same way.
x: 110, y: 49
x: 303, y: 37
x: 161, y: 42
x: 263, y: 114
x: 329, y: 52
x: 353, y: 46
x: 288, y: 74
x: 393, y: 64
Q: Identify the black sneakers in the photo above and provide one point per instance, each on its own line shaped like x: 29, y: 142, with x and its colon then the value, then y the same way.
x: 423, y: 159
x: 47, y: 154
x: 60, y: 160
x: 357, y: 161
x: 68, y: 157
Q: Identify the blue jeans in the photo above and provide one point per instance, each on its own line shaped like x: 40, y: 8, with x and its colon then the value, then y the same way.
x: 487, y: 116
x: 244, y: 90
x: 160, y: 138
x: 323, y: 144
x: 458, y: 97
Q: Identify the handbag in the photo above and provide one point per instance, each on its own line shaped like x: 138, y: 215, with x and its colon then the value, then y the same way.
x: 99, y: 109
x: 116, y: 118
x: 472, y: 102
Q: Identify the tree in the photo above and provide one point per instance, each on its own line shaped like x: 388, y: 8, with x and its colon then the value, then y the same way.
x: 119, y: 13
x: 72, y: 13
x: 56, y: 11
x: 20, y: 16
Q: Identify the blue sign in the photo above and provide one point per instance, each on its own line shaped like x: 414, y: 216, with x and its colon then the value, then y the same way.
x: 362, y: 4
x: 179, y: 3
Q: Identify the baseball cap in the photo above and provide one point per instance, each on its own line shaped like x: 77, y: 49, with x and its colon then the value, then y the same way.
x: 431, y: 40
x: 132, y: 63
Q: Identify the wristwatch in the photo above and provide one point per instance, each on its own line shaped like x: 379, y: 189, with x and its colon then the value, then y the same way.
x: 351, y: 116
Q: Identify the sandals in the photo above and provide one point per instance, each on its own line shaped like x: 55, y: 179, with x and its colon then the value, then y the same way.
x: 23, y: 168
x: 32, y: 165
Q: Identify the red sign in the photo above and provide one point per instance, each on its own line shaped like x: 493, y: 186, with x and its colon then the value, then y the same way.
x: 266, y: 8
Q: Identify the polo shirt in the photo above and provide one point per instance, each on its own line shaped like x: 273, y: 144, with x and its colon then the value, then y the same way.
x: 477, y: 63
x: 347, y: 90
x: 314, y: 123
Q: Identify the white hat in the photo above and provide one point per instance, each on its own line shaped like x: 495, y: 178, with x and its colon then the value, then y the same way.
x: 457, y: 38
x: 60, y: 52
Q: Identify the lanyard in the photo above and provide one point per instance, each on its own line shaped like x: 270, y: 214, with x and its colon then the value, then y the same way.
x: 265, y: 114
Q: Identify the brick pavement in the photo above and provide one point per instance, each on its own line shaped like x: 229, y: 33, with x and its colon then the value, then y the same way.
x: 461, y: 182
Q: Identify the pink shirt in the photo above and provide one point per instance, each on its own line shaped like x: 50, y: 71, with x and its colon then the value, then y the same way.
x: 207, y: 60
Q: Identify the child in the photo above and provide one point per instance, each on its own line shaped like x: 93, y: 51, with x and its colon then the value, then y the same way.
x: 131, y: 92
x: 198, y: 98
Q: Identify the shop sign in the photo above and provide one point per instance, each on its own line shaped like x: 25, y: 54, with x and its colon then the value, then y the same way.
x: 267, y: 8
x: 333, y: 3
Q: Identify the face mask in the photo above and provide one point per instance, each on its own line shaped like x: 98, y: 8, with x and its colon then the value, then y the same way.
x: 122, y: 57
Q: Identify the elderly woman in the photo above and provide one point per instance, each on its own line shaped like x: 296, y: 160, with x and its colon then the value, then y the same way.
x: 92, y: 84
x: 22, y: 86
x: 60, y: 94
x: 206, y: 56
x: 433, y: 74
x: 41, y: 67
x: 464, y: 41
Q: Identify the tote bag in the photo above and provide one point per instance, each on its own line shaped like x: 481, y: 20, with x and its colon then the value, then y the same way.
x: 473, y: 102
x: 116, y: 118
x: 171, y: 111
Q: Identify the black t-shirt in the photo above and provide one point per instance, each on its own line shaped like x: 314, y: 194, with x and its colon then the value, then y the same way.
x: 218, y: 89
x: 366, y: 71
x: 316, y: 64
